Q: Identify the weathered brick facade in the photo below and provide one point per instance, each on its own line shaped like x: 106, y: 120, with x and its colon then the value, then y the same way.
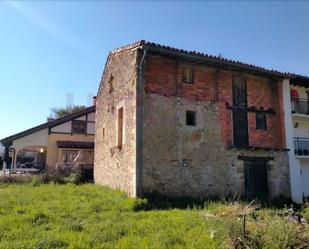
x: 176, y: 159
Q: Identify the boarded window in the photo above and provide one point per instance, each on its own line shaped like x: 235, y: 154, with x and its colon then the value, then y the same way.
x: 120, y: 127
x: 79, y: 127
x: 188, y: 75
x: 261, y: 121
x: 191, y: 118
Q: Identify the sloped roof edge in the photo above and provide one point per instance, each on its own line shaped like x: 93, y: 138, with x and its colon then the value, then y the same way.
x: 50, y: 124
x: 211, y: 58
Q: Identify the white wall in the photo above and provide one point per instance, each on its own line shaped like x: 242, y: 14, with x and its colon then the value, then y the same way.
x: 294, y: 163
x: 303, y: 126
x: 83, y: 118
x: 91, y: 128
x: 39, y: 139
x: 305, y: 176
x: 65, y: 127
x: 91, y: 117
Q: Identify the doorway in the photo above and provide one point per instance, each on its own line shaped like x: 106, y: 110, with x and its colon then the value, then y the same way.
x: 256, y: 180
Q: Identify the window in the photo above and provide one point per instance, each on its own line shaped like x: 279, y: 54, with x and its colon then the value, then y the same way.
x: 69, y: 155
x: 103, y: 132
x: 120, y: 127
x: 261, y: 121
x: 188, y: 75
x: 79, y: 127
x: 191, y: 118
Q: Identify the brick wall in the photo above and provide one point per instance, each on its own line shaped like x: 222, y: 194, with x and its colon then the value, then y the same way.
x: 164, y: 76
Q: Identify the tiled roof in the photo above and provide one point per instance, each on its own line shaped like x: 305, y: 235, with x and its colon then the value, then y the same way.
x: 204, y: 56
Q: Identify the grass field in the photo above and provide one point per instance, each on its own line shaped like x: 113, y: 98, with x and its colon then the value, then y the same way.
x: 89, y: 216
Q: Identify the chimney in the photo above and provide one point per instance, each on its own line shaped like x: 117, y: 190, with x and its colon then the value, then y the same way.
x: 94, y: 100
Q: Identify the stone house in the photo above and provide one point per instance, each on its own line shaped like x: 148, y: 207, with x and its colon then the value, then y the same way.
x: 184, y: 123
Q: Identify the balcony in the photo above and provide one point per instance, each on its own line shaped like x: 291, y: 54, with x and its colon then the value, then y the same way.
x: 300, y: 106
x: 301, y: 146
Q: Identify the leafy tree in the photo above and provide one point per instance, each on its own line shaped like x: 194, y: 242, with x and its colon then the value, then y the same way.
x: 58, y: 112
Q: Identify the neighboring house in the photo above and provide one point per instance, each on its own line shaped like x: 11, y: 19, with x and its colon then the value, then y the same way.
x: 56, y: 142
x: 188, y: 124
x: 296, y: 105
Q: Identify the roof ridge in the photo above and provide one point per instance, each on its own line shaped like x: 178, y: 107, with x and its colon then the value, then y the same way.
x: 128, y: 46
x: 219, y: 59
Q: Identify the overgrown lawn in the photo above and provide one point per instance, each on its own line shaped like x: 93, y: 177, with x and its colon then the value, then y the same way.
x: 88, y: 216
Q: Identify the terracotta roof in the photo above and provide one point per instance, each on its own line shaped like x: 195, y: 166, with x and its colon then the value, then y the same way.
x: 49, y: 124
x: 75, y: 144
x: 203, y: 56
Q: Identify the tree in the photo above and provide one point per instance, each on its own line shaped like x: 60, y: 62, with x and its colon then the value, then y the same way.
x: 58, y: 112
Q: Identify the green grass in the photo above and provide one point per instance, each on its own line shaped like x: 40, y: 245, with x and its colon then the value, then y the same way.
x: 88, y: 216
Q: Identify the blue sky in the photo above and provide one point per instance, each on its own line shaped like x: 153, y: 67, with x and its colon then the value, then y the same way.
x: 52, y: 50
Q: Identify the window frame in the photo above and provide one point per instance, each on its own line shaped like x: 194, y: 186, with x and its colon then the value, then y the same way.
x: 261, y: 121
x: 79, y: 122
x: 65, y: 155
x: 186, y: 78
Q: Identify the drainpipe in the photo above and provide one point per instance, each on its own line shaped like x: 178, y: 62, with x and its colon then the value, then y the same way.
x: 139, y: 125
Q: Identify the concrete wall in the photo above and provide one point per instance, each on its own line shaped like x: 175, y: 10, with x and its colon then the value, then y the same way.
x: 193, y: 160
x: 114, y: 166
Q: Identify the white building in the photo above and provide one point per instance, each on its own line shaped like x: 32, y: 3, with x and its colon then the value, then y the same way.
x: 296, y: 107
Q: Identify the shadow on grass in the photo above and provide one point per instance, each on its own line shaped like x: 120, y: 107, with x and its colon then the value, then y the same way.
x: 158, y: 201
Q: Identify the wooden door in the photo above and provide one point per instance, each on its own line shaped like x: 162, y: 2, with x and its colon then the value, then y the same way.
x: 256, y: 182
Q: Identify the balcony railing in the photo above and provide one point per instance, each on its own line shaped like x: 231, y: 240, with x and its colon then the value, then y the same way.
x: 300, y: 106
x: 301, y: 146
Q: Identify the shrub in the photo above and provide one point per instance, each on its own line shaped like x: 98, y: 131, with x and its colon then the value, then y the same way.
x: 16, y: 179
x: 140, y: 204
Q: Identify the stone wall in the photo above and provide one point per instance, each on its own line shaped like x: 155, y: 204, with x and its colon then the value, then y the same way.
x: 183, y: 160
x: 115, y: 166
x: 200, y: 160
